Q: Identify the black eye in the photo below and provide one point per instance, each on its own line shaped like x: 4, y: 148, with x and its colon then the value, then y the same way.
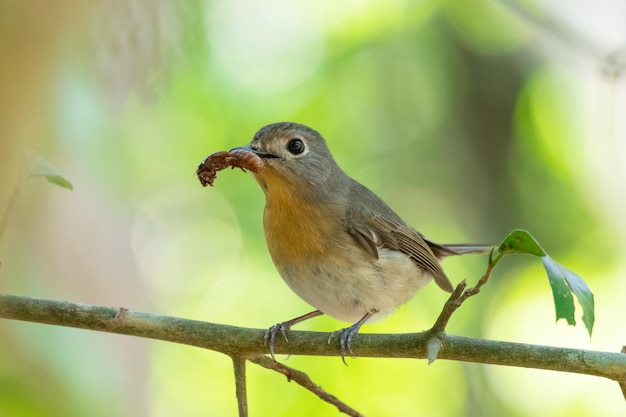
x: 295, y: 146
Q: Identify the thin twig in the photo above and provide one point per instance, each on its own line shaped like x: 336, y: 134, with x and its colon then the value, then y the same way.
x: 448, y: 308
x: 239, y: 365
x: 304, y: 381
x: 458, y: 297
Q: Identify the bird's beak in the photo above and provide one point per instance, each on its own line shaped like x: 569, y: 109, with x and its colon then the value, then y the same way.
x: 261, y: 154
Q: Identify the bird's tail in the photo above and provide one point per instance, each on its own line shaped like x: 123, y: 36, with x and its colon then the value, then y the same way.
x: 441, y: 251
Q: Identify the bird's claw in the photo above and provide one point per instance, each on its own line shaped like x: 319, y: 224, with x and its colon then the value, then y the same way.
x: 345, y: 340
x: 270, y: 335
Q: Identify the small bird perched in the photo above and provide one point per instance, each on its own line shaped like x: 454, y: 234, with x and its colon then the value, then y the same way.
x: 336, y: 244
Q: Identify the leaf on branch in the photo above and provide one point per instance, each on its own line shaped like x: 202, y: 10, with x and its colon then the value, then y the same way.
x: 518, y: 241
x: 565, y: 282
x: 562, y: 281
x: 42, y: 168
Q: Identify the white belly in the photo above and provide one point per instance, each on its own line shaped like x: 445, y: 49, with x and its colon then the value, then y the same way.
x: 348, y: 290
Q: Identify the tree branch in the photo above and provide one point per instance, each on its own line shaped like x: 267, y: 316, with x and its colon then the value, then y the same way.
x: 239, y: 366
x: 622, y: 382
x: 456, y: 299
x: 245, y: 342
x: 303, y: 380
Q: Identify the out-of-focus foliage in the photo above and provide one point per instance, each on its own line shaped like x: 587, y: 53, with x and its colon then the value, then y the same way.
x: 39, y: 167
x: 469, y: 118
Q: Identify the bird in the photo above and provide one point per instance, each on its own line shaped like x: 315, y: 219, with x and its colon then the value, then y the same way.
x: 335, y: 243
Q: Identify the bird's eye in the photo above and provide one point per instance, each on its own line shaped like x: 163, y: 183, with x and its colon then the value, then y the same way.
x: 295, y: 146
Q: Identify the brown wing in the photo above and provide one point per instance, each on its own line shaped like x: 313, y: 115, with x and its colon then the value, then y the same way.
x: 373, y: 225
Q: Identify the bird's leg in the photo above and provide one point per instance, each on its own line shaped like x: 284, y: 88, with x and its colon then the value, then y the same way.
x: 346, y: 336
x: 270, y: 334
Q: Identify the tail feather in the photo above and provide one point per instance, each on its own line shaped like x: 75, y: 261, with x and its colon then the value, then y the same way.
x: 441, y: 251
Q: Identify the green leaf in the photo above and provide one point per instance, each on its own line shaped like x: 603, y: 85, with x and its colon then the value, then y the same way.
x: 562, y: 281
x: 565, y: 282
x: 518, y: 241
x: 41, y: 168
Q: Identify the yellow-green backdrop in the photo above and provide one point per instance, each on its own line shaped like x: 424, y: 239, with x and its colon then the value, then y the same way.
x: 469, y: 118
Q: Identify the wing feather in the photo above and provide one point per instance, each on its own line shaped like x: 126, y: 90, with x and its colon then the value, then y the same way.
x: 385, y: 229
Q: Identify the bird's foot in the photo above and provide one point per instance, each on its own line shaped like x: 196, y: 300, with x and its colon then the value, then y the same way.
x: 270, y: 335
x: 345, y: 340
x: 346, y: 335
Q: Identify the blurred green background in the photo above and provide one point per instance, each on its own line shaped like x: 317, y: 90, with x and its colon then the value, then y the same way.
x: 469, y: 118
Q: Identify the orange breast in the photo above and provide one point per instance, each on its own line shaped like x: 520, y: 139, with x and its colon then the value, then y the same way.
x: 296, y: 228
